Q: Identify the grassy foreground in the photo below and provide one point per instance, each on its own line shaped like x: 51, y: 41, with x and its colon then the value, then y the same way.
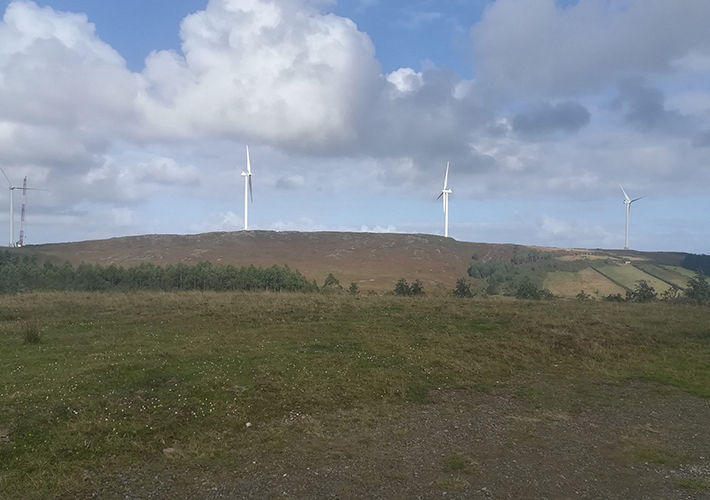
x: 115, y: 379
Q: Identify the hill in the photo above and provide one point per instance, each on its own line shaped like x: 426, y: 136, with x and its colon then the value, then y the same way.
x: 374, y: 261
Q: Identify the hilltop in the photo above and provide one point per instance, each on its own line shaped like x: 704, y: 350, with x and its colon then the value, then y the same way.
x: 373, y: 260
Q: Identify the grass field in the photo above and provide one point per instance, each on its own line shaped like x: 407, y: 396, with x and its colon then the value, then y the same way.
x: 168, y: 383
x: 568, y: 284
x: 680, y: 270
x: 628, y: 275
x: 664, y: 273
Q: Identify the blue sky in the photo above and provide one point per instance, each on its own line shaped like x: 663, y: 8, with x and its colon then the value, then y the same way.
x: 134, y: 116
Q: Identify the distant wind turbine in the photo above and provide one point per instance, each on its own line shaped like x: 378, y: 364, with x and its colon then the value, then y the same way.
x: 445, y: 194
x: 12, y: 203
x: 628, y: 201
x: 248, y: 195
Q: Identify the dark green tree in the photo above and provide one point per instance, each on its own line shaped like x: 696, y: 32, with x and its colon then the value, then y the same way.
x: 462, y: 289
x: 331, y: 283
x: 416, y: 288
x: 402, y: 288
x: 698, y: 289
x: 642, y: 293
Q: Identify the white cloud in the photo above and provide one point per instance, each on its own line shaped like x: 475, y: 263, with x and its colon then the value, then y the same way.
x: 575, y: 232
x: 537, y: 45
x: 405, y: 80
x: 302, y: 224
x: 378, y: 229
x: 277, y: 72
x: 291, y: 182
x: 228, y: 221
x: 122, y: 217
x: 55, y: 71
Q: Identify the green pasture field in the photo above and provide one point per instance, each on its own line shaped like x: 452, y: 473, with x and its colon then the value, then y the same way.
x: 210, y: 380
x: 680, y: 270
x: 627, y: 276
x: 663, y: 273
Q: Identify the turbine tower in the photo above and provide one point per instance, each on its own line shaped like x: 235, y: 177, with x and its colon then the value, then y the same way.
x: 12, y: 204
x: 21, y: 242
x: 445, y: 194
x: 627, y: 201
x: 248, y: 195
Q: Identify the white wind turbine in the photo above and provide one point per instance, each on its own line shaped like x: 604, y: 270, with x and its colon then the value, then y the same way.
x: 628, y: 201
x: 12, y: 203
x: 247, y: 191
x: 445, y: 194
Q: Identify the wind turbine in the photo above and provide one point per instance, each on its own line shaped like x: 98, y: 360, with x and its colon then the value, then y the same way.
x: 12, y: 203
x: 445, y: 194
x: 628, y: 201
x: 247, y: 191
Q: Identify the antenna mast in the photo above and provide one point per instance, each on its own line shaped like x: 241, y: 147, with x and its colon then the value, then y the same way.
x: 22, y: 217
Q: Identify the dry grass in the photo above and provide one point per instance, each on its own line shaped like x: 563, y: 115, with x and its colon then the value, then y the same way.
x: 567, y: 284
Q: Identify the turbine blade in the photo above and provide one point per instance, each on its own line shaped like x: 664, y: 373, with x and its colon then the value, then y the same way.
x: 6, y: 177
x: 446, y: 178
x: 625, y: 195
x: 248, y: 161
x: 251, y: 194
x: 637, y: 199
x: 439, y: 197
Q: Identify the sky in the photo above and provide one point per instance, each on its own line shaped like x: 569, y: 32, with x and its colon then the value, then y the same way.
x: 133, y: 117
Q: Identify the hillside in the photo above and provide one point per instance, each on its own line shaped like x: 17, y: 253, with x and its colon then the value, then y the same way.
x: 374, y: 261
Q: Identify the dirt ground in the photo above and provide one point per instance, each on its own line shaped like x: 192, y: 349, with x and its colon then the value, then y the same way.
x: 538, y: 441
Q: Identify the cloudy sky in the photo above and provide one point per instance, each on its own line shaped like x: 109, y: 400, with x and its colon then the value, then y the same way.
x: 134, y: 116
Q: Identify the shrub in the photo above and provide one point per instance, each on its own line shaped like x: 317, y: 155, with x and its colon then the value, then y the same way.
x: 416, y: 288
x: 462, y: 289
x: 617, y: 297
x: 583, y: 296
x: 31, y: 333
x: 672, y: 293
x: 404, y: 289
x: 353, y: 289
x: 331, y: 283
x: 530, y: 291
x: 698, y: 288
x: 643, y: 293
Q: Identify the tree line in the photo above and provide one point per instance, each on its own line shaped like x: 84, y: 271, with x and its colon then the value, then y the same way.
x: 26, y: 273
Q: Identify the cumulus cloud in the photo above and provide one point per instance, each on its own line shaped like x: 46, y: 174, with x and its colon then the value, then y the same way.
x: 167, y: 172
x: 227, y: 221
x: 644, y: 107
x: 279, y: 72
x: 540, y: 46
x: 378, y: 229
x: 579, y: 233
x: 123, y: 217
x: 290, y: 77
x: 291, y: 182
x: 567, y: 116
